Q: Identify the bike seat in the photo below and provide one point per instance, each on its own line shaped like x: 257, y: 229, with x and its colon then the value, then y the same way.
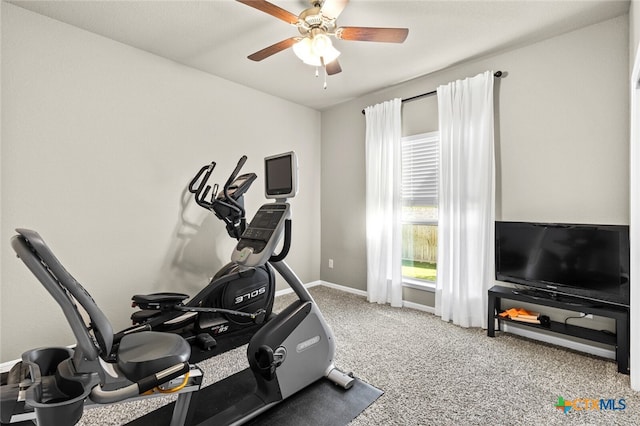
x: 145, y: 353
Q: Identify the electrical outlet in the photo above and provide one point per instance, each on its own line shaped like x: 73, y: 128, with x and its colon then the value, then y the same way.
x: 330, y: 263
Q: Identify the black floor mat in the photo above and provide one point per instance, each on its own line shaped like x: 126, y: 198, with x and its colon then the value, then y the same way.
x: 320, y: 404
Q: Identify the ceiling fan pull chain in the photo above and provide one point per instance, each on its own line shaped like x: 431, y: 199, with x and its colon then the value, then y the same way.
x: 316, y: 72
x: 325, y: 78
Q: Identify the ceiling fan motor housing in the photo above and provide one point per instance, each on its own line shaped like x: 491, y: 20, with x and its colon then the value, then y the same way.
x: 312, y: 19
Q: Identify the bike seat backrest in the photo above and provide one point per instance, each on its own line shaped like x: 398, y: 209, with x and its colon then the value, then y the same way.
x: 92, y: 339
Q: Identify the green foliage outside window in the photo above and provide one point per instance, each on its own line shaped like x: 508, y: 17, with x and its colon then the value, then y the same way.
x: 420, y: 242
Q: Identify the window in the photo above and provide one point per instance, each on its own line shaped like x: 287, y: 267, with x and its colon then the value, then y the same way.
x: 420, y: 208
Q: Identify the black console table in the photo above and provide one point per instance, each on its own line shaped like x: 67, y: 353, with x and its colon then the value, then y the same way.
x: 621, y: 315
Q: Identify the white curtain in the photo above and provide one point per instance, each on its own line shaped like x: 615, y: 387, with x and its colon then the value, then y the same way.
x: 383, y: 202
x: 466, y: 207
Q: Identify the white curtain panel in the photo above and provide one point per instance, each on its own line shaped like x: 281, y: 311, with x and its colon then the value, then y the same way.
x: 466, y: 207
x: 383, y: 202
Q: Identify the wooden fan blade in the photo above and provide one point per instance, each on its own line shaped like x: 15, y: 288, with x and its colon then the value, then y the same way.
x: 386, y: 35
x: 333, y: 8
x: 272, y: 10
x: 273, y: 49
x: 333, y: 67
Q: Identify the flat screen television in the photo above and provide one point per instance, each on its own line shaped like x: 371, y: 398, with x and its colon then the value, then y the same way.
x: 585, y: 261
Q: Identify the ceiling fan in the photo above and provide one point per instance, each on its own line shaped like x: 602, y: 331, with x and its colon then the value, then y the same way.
x: 316, y: 24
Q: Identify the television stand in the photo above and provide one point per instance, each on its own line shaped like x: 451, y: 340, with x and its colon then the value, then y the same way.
x: 620, y: 314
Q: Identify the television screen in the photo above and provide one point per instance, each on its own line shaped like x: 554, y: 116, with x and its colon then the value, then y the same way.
x: 589, y: 261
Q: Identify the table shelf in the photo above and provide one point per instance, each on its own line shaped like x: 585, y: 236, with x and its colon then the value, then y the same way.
x: 619, y: 339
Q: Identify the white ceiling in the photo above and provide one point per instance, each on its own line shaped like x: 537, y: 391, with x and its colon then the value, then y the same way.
x: 216, y: 36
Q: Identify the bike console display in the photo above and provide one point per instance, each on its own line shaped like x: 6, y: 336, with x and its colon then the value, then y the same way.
x: 259, y: 240
x: 281, y: 176
x: 238, y: 187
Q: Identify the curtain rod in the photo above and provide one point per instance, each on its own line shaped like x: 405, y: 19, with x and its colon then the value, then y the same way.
x: 496, y: 74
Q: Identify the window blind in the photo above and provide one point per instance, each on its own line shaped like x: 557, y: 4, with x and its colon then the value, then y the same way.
x: 420, y: 169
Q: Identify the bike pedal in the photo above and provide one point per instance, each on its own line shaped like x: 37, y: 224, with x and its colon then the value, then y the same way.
x: 206, y: 341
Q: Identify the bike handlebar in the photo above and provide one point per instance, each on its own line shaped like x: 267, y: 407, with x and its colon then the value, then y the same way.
x: 224, y: 205
x: 286, y: 245
x: 228, y: 183
x: 234, y: 173
x: 199, y: 187
x: 206, y: 170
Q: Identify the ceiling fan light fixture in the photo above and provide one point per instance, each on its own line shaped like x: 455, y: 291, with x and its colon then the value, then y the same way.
x: 320, y: 44
x: 330, y: 55
x: 310, y: 51
x: 302, y: 49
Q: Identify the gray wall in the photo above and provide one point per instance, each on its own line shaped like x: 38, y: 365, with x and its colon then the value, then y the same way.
x: 98, y: 142
x: 634, y: 29
x: 562, y: 139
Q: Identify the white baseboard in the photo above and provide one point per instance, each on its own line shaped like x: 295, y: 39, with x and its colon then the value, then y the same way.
x: 289, y: 290
x: 344, y: 288
x: 418, y: 307
x: 559, y: 341
x: 326, y: 284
